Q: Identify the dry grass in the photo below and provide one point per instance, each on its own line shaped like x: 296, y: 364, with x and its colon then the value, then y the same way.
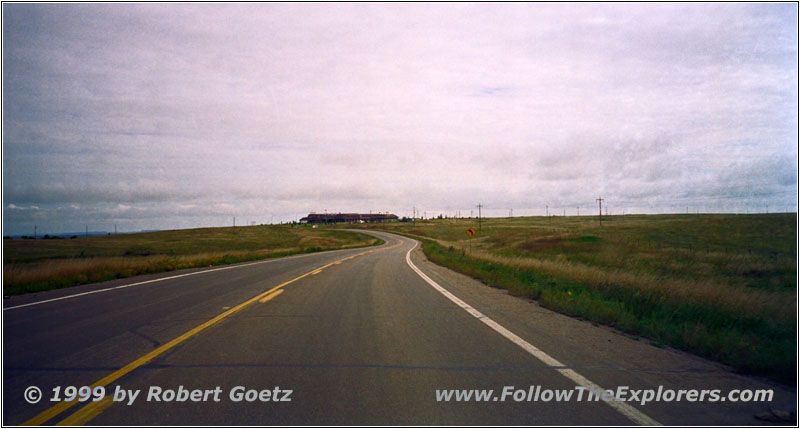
x: 90, y: 270
x: 746, y: 301
x: 37, y: 265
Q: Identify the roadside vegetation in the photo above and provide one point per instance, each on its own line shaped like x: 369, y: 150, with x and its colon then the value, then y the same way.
x: 721, y: 286
x: 39, y: 265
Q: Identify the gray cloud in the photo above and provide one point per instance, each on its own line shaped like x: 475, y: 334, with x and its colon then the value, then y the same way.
x: 179, y: 115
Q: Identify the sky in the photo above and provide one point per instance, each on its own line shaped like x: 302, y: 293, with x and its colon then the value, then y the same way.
x: 163, y: 116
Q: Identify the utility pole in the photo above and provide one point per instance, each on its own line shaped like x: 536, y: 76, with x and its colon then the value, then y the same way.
x: 600, y: 202
x: 234, y: 222
x: 510, y: 212
x: 565, y: 212
x: 547, y: 211
x: 115, y: 229
x: 479, y: 216
x: 87, y: 231
x: 579, y: 211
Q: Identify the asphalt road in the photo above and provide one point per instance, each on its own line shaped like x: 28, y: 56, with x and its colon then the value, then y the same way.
x: 358, y: 336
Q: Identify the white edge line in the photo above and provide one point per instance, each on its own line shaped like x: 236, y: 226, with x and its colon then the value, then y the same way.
x: 229, y: 267
x: 628, y: 411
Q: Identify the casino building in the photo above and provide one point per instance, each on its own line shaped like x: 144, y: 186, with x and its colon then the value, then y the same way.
x: 348, y: 218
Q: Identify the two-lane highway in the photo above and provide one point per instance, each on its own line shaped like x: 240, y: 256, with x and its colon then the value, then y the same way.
x: 351, y: 337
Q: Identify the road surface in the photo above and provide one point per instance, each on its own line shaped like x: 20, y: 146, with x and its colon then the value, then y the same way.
x: 350, y: 337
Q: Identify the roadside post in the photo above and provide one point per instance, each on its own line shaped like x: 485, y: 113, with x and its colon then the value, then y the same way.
x: 470, y: 234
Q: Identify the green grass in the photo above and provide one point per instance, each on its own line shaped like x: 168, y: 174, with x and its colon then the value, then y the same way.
x: 721, y: 286
x: 39, y: 265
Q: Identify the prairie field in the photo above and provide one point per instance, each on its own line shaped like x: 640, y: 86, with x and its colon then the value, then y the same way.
x: 44, y: 264
x: 721, y: 286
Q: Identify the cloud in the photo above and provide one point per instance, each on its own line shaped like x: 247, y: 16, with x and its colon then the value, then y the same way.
x: 180, y: 109
x: 16, y: 207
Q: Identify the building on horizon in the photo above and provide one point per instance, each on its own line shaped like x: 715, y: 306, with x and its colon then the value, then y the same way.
x: 348, y: 218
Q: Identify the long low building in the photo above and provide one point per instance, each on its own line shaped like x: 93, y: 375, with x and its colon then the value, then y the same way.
x: 348, y: 218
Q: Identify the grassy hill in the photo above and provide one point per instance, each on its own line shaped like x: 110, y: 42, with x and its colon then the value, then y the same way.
x: 38, y: 265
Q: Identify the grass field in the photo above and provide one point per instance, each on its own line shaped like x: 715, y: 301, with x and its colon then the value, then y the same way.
x: 38, y: 265
x: 720, y: 286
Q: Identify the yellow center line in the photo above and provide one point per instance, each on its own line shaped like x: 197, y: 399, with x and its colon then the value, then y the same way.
x: 92, y: 410
x: 50, y: 413
x: 87, y: 413
x: 270, y: 296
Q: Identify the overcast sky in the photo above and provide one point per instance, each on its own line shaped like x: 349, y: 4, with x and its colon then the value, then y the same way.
x: 160, y: 116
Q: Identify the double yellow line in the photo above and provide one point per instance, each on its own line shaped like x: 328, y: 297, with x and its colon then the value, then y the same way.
x: 91, y: 410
